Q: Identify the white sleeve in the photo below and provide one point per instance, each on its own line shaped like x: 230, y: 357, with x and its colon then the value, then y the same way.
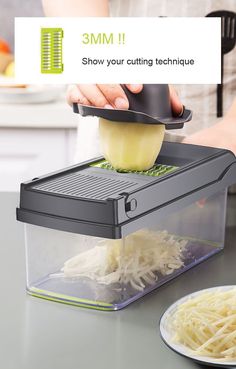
x: 87, y: 139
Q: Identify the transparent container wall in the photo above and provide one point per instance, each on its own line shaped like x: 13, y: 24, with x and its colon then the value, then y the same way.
x: 109, y: 274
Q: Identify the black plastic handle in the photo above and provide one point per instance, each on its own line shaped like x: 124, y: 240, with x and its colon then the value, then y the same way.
x: 153, y: 100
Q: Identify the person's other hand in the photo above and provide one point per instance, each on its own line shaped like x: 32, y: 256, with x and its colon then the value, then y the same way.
x: 221, y: 135
x: 112, y: 96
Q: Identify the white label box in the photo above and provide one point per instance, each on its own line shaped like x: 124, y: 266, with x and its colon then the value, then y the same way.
x: 123, y: 50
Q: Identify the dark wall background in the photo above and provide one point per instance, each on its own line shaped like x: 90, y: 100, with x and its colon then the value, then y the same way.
x: 16, y: 8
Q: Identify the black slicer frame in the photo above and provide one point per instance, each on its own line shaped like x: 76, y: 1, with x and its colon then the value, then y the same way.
x: 99, y: 202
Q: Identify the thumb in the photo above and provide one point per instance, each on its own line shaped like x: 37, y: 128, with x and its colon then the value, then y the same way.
x: 176, y: 105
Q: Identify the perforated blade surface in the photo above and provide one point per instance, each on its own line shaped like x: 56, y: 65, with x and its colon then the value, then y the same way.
x: 85, y: 185
x: 96, y: 183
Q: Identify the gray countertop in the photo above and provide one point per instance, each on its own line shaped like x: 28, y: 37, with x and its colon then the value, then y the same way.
x: 39, y: 334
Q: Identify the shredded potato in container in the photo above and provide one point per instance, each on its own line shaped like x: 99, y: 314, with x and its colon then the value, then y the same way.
x: 206, y: 324
x: 136, y: 262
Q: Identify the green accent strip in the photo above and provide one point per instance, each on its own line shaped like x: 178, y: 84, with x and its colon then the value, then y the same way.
x: 51, y: 50
x: 69, y: 300
x: 156, y: 171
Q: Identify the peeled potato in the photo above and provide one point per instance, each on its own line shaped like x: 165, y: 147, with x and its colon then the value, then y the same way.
x: 130, y: 146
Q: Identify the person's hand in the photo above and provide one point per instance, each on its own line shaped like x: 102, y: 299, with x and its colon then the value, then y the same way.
x: 112, y: 96
x: 221, y: 135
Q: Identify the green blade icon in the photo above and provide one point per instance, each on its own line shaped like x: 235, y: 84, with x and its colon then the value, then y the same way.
x: 51, y: 50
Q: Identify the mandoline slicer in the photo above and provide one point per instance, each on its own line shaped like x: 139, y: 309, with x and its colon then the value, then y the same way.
x: 101, y: 239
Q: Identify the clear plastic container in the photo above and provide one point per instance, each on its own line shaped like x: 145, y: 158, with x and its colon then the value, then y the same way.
x: 109, y: 274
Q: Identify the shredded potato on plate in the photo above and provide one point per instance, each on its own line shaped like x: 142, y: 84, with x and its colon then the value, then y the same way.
x: 205, y: 324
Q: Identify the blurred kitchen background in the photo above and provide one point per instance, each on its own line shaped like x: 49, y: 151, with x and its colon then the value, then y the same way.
x: 16, y: 8
x: 37, y: 127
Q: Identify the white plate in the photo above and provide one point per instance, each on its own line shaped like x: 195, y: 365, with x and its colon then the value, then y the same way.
x: 167, y: 333
x: 31, y: 94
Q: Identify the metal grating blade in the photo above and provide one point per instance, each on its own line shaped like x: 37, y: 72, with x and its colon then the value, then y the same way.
x: 84, y: 186
x: 51, y: 50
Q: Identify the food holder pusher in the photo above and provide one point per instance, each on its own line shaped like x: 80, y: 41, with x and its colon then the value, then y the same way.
x: 151, y: 106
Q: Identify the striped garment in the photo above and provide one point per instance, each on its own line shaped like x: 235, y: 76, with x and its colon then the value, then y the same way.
x: 200, y: 98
